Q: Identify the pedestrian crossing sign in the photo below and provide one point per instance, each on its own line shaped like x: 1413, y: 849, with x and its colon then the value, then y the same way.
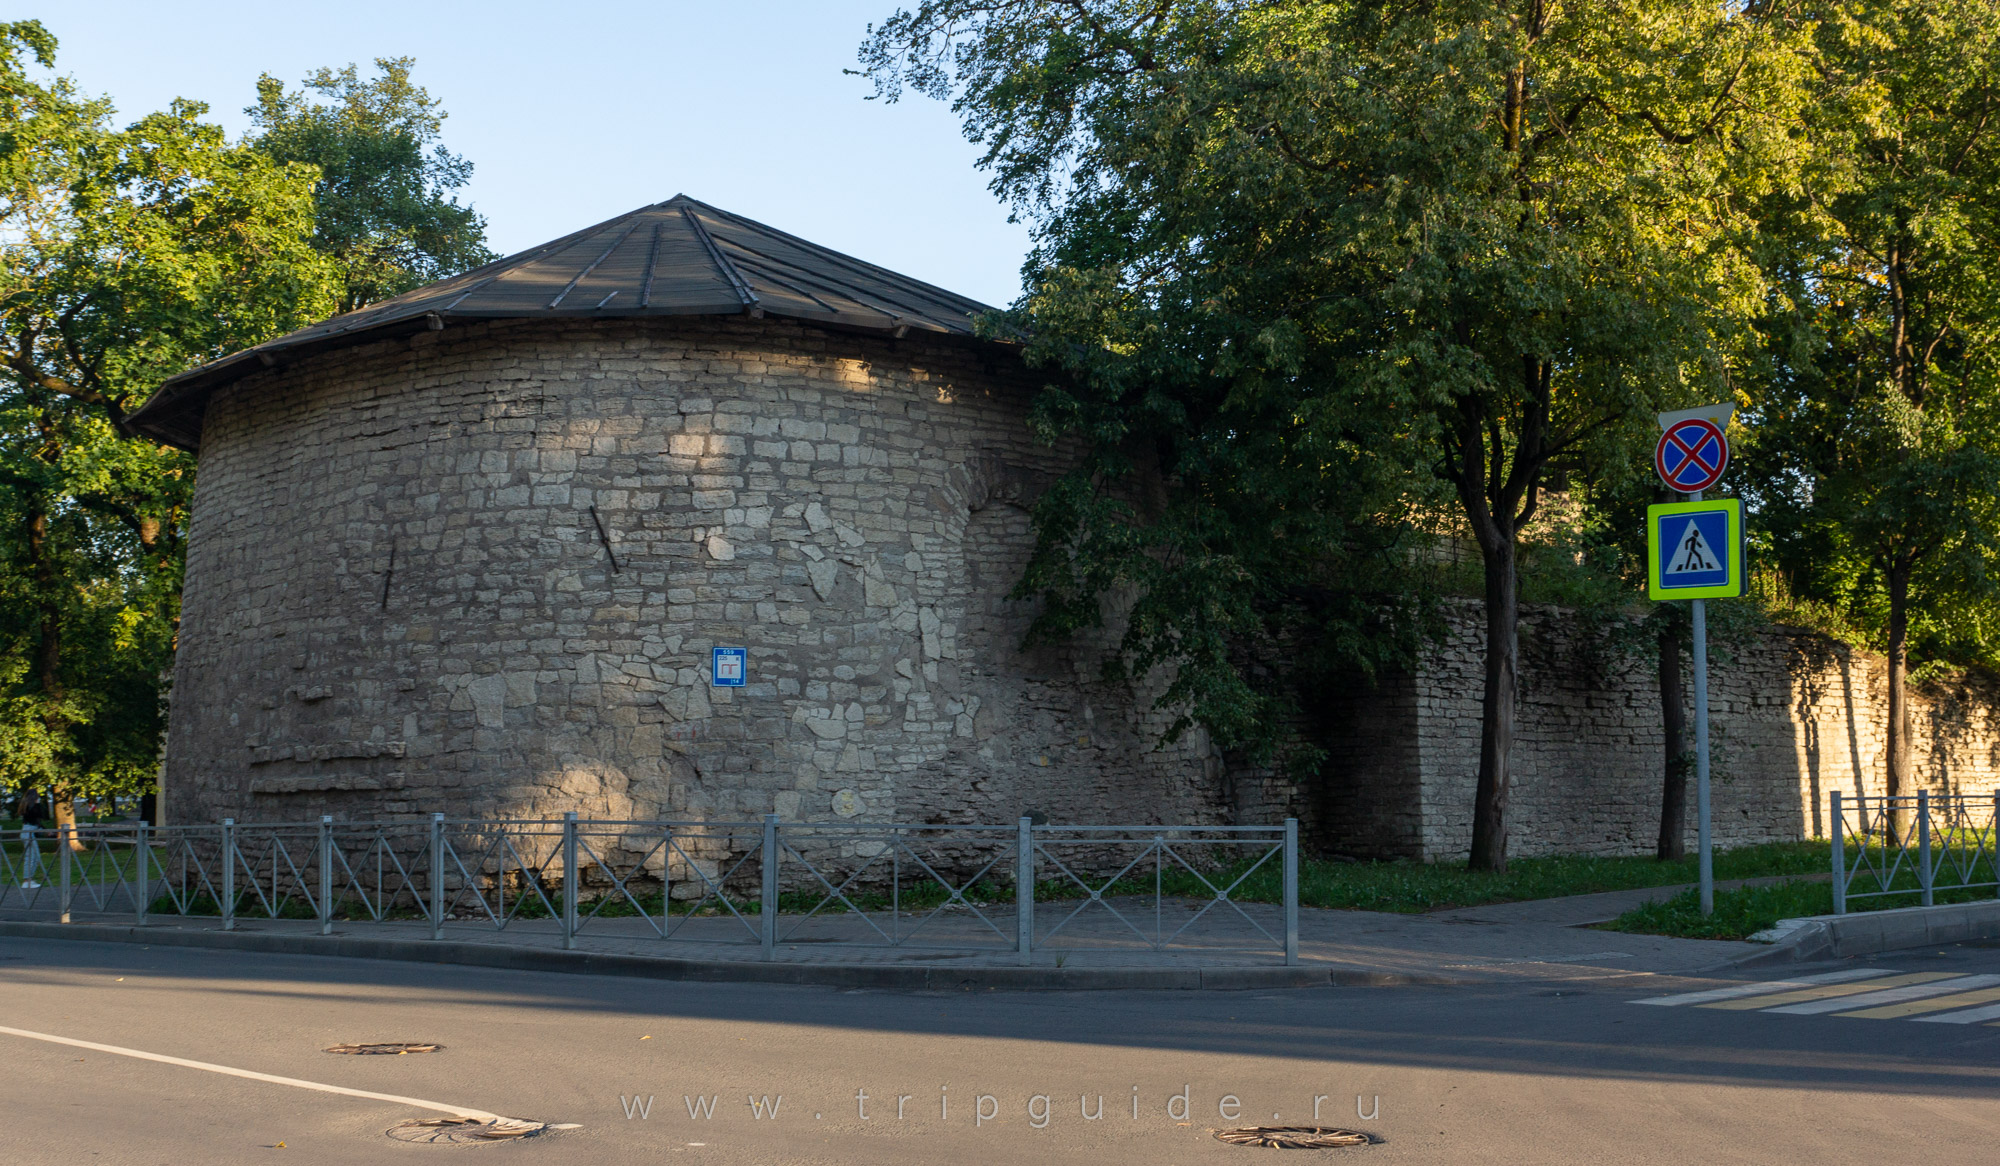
x: 1694, y: 550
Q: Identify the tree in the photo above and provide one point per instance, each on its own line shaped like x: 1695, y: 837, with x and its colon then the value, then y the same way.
x: 1486, y: 241
x: 1878, y: 398
x: 132, y: 254
x: 384, y: 204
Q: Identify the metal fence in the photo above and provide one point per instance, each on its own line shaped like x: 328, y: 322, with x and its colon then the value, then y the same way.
x: 756, y: 886
x: 1912, y: 845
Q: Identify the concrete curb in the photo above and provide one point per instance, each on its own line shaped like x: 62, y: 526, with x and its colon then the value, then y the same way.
x: 1829, y: 937
x: 891, y: 976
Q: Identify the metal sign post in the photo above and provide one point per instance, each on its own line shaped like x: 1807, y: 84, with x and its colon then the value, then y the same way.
x: 1695, y: 552
x: 1704, y: 845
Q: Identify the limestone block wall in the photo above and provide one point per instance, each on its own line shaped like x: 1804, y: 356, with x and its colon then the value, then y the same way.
x: 398, y: 599
x: 1366, y: 799
x: 1794, y: 716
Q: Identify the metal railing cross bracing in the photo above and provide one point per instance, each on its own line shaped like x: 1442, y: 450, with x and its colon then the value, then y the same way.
x: 1011, y: 892
x: 1912, y: 845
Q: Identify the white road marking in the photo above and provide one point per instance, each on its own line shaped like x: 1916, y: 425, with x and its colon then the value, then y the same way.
x: 1887, y: 996
x: 415, y: 1102
x: 1968, y: 1016
x: 1763, y: 986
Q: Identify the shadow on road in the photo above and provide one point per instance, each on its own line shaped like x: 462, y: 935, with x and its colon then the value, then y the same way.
x: 1585, y: 1029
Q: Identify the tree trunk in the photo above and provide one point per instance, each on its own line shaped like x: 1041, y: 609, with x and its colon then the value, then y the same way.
x: 1500, y: 496
x: 48, y: 654
x: 1673, y: 720
x: 1897, y: 779
x: 48, y: 643
x: 1496, y: 722
x: 64, y: 813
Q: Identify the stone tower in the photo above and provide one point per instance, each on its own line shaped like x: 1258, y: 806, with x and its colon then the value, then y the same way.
x: 470, y: 550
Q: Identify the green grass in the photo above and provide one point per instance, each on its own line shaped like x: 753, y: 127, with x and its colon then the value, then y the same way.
x: 1745, y: 911
x: 1413, y: 888
x: 86, y: 866
x: 1407, y: 887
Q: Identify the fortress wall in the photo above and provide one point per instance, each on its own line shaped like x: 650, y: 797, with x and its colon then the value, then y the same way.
x: 1794, y: 716
x: 398, y: 600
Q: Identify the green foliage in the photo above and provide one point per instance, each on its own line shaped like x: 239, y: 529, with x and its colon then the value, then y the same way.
x: 133, y: 253
x: 1870, y: 451
x: 1307, y: 269
x: 386, y: 211
x: 35, y: 744
x: 1739, y: 913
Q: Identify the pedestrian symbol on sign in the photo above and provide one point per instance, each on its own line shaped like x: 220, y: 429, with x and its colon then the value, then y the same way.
x: 1696, y: 549
x: 1692, y: 553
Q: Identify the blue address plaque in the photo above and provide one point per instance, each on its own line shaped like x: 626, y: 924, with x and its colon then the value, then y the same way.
x: 730, y: 668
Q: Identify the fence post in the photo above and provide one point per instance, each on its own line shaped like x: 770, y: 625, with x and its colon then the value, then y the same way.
x: 64, y: 834
x: 767, y: 905
x: 142, y: 859
x: 326, y: 874
x: 1024, y: 889
x: 1839, y: 857
x: 229, y: 874
x: 1291, y: 891
x: 1993, y: 845
x: 437, y: 876
x: 1924, y: 879
x: 569, y: 880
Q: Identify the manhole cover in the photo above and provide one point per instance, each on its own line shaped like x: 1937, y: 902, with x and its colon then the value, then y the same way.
x: 390, y: 1049
x: 1293, y: 1137
x: 451, y: 1131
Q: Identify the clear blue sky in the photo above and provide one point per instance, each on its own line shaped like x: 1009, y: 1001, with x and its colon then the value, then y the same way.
x: 574, y: 113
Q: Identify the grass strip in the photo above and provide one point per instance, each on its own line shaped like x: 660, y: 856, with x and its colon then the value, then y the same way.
x: 1412, y: 888
x: 1745, y: 911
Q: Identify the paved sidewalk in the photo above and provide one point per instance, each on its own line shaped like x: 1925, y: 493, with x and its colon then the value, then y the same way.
x: 1093, y: 949
x: 1589, y: 910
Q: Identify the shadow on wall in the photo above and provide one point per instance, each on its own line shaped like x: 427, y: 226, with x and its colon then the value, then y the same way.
x: 1588, y: 746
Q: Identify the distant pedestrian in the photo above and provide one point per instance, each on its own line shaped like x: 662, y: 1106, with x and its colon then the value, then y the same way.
x: 33, y: 814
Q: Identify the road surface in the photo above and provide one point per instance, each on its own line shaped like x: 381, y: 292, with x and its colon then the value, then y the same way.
x: 1565, y: 1065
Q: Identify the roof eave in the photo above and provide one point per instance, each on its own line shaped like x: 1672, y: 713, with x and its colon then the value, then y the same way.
x: 165, y: 417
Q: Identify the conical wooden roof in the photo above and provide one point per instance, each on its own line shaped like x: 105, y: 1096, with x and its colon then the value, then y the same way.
x: 680, y: 257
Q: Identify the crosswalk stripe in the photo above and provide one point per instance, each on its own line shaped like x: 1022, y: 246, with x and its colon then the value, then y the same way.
x: 1969, y: 1016
x: 1939, y: 985
x: 1763, y: 987
x: 1934, y: 1004
x: 1829, y: 991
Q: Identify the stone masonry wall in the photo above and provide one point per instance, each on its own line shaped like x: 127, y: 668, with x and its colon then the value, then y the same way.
x: 1794, y: 716
x: 398, y: 600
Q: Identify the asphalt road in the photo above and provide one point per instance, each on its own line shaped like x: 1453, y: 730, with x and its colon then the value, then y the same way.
x: 1537, y: 1070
